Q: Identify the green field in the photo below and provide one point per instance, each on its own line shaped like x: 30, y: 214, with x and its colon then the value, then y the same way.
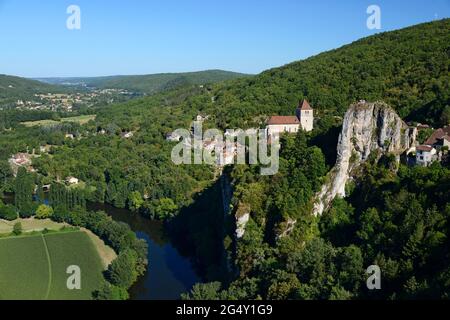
x: 79, y: 119
x: 34, y: 267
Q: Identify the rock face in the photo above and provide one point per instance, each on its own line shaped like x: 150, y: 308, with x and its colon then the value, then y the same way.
x: 241, y: 223
x: 367, y: 127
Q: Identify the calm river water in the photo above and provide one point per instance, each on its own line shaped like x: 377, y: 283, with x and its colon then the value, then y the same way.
x: 169, y: 273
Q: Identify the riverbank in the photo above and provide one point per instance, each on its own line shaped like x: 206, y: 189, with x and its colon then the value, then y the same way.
x: 169, y: 272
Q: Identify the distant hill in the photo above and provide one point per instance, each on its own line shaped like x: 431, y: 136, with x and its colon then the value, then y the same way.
x: 152, y: 83
x: 16, y: 88
x: 407, y: 68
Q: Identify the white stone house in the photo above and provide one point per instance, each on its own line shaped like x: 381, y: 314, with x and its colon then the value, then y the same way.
x: 304, y: 119
x: 425, y: 155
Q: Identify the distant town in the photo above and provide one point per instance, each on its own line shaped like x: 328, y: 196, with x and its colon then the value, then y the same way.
x: 68, y: 102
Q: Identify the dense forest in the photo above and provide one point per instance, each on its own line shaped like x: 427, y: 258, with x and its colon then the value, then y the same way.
x: 398, y: 219
x: 408, y: 69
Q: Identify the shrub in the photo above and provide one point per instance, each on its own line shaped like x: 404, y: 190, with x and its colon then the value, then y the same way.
x: 44, y: 212
x: 8, y: 212
x: 17, y: 229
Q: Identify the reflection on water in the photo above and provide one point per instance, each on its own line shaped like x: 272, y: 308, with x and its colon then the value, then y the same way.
x: 168, y: 274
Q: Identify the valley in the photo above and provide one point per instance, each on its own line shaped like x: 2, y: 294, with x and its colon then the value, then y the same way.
x: 351, y: 191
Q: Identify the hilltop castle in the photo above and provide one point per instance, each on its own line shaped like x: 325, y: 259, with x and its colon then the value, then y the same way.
x: 304, y: 118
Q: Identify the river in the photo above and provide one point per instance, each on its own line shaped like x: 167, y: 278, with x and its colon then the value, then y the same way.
x: 168, y: 273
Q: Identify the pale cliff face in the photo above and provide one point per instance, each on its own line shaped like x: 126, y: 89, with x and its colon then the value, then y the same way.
x: 367, y: 127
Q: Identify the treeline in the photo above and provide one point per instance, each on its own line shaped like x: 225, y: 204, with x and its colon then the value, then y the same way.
x: 64, y: 198
x: 9, y: 118
x: 24, y: 188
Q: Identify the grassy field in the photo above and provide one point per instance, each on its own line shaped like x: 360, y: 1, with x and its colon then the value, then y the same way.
x: 34, y: 267
x: 30, y: 225
x: 79, y: 119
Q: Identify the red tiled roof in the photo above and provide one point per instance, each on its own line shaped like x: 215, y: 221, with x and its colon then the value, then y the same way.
x: 424, y: 148
x: 304, y: 105
x: 274, y: 120
x: 438, y: 135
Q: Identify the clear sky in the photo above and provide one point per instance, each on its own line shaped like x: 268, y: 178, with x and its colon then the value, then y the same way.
x: 152, y: 36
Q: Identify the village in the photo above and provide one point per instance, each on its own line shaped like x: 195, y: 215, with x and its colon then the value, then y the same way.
x: 67, y: 102
x: 434, y: 148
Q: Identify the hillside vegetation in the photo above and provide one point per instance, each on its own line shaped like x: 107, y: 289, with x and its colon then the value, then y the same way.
x: 153, y: 83
x: 16, y: 88
x: 408, y: 69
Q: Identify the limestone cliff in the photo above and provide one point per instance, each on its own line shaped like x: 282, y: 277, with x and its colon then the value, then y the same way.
x: 367, y: 128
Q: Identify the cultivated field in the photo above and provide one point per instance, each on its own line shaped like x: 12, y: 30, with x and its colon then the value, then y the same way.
x: 34, y: 267
x: 79, y: 119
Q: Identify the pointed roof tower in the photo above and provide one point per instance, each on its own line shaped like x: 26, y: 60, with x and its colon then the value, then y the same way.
x: 304, y: 105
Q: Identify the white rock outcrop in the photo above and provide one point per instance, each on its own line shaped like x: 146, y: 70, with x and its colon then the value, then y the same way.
x: 241, y: 223
x: 367, y: 127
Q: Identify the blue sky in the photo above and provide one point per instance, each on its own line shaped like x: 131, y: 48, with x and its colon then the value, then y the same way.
x: 152, y: 36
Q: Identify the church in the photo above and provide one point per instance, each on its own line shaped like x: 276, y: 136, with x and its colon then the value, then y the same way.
x: 304, y: 119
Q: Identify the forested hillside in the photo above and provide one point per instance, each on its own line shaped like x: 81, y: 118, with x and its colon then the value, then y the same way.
x: 408, y: 69
x: 397, y: 220
x: 152, y: 83
x: 15, y: 88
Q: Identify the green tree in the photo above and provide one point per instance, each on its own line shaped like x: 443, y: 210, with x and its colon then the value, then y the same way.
x: 165, y: 208
x: 111, y: 292
x: 204, y: 291
x: 122, y: 271
x: 44, y: 212
x: 24, y: 187
x: 135, y: 201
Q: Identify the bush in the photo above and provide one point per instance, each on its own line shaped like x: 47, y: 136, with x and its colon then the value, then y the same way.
x: 17, y: 229
x: 44, y: 212
x: 27, y: 210
x: 8, y: 212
